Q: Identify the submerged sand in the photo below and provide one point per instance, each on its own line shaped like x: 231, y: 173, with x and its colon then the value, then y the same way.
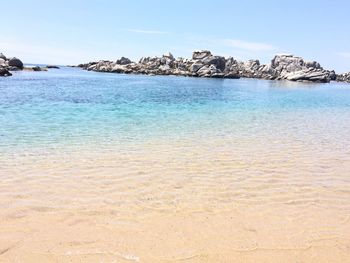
x: 166, y: 201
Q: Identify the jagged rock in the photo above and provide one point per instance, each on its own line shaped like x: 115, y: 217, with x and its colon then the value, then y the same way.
x: 203, y: 71
x: 4, y: 72
x: 345, y: 77
x: 123, y: 61
x: 201, y: 54
x: 15, y: 62
x: 2, y: 56
x: 289, y: 63
x: 313, y: 64
x: 204, y: 64
x: 168, y: 56
x: 164, y: 67
x: 307, y: 75
x: 296, y: 69
x: 217, y: 61
x: 196, y: 66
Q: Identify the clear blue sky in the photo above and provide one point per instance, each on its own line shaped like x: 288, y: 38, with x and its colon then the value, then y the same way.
x: 74, y: 31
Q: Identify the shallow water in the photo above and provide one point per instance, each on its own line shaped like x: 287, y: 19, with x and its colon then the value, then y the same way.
x: 121, y: 168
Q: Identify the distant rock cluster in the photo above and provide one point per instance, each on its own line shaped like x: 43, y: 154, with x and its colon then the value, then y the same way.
x: 344, y: 77
x: 9, y: 64
x: 205, y: 64
x: 14, y: 64
x: 202, y: 64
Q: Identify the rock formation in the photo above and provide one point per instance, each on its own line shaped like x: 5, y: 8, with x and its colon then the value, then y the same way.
x: 205, y: 64
x: 4, y: 72
x: 52, y: 66
x: 15, y: 64
x: 344, y: 77
x: 8, y: 64
x: 202, y: 64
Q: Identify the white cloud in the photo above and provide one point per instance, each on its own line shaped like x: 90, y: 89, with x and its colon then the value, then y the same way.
x: 155, y: 32
x: 249, y: 46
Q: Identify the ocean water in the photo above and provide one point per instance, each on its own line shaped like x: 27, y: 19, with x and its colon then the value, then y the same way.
x: 98, y: 167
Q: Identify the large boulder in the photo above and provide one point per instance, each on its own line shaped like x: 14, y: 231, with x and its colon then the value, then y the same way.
x: 201, y: 54
x: 313, y: 64
x: 123, y: 61
x: 196, y: 66
x: 289, y: 63
x: 217, y: 61
x: 296, y: 69
x: 15, y: 62
x: 314, y: 75
x: 252, y: 64
x: 2, y: 56
x: 118, y: 68
x: 168, y: 56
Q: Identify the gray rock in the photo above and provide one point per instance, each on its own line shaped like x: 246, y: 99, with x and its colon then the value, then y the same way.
x: 232, y: 75
x: 308, y: 75
x: 313, y: 64
x: 123, y: 61
x: 52, y: 66
x: 4, y: 72
x: 15, y: 62
x: 289, y: 63
x: 203, y: 71
x: 204, y: 64
x: 168, y: 56
x: 201, y: 54
x: 345, y: 77
x: 118, y: 69
x: 196, y: 66
x: 217, y: 61
x: 11, y: 68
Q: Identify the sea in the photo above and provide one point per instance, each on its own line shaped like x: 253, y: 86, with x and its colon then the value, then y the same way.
x: 103, y: 167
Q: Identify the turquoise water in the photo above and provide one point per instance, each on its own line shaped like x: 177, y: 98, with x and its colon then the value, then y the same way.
x: 74, y: 107
x: 168, y: 168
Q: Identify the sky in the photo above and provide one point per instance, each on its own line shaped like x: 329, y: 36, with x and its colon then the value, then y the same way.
x: 75, y: 31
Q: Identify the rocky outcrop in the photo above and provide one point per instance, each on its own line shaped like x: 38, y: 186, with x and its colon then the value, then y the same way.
x: 14, y: 64
x: 294, y: 68
x: 202, y: 54
x: 343, y: 77
x: 205, y: 64
x: 9, y: 64
x: 202, y: 64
